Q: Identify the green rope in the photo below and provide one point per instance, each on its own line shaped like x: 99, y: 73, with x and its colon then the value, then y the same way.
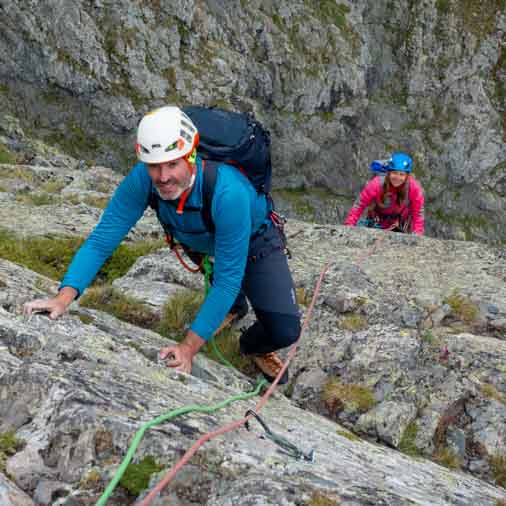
x: 208, y: 269
x: 163, y: 418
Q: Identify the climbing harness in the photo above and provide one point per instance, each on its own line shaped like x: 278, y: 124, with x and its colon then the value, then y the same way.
x: 279, y: 222
x: 282, y: 442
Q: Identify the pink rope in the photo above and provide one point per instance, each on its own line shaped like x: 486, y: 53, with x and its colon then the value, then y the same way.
x: 238, y: 423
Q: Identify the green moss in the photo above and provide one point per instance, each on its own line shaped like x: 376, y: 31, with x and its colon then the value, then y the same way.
x: 6, y: 156
x: 467, y: 223
x: 87, y: 320
x: 36, y: 199
x: 100, y: 202
x: 330, y: 11
x: 499, y: 98
x: 124, y: 257
x: 407, y: 443
x: 443, y: 7
x: 348, y: 397
x: 354, y: 322
x: 299, y: 200
x: 491, y: 392
x: 171, y: 76
x: 136, y: 476
x: 480, y: 16
x: 47, y: 256
x: 349, y: 435
x: 52, y: 186
x: 3, y: 189
x: 9, y: 445
x: 278, y: 21
x: 74, y: 140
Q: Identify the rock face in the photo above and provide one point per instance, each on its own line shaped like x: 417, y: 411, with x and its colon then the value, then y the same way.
x: 338, y: 84
x: 400, y: 371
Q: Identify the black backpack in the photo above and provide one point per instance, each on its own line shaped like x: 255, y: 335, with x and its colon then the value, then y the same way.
x: 234, y: 138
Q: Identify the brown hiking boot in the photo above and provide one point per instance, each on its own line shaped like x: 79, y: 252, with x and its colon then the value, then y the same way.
x: 270, y: 364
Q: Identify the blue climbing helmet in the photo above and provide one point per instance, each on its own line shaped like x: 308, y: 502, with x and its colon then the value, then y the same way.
x: 400, y: 162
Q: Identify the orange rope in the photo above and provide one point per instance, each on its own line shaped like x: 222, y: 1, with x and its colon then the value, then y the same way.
x: 176, y: 248
x: 238, y: 423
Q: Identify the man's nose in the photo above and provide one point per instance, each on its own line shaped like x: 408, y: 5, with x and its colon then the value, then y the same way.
x: 164, y: 172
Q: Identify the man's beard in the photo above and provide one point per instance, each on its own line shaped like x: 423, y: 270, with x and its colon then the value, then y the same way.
x: 177, y: 192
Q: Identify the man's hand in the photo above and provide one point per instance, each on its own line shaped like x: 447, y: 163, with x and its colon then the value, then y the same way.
x: 55, y: 306
x: 183, y: 353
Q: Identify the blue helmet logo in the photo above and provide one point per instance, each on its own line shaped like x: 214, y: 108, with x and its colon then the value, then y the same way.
x: 400, y: 162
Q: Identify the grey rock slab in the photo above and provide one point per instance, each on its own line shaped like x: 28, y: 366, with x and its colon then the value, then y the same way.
x: 11, y: 495
x: 85, y: 407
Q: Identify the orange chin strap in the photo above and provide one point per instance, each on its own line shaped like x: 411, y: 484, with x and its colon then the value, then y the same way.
x: 192, y: 169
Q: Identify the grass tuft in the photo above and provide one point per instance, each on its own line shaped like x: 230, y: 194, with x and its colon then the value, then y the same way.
x: 106, y: 298
x: 491, y: 392
x: 320, y: 499
x: 179, y: 311
x: 498, y: 467
x: 354, y: 322
x: 9, y: 445
x: 463, y: 308
x: 448, y: 458
x: 6, y: 156
x: 348, y: 397
x: 407, y: 443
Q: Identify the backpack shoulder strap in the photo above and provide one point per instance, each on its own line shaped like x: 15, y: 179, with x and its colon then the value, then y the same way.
x: 210, y: 169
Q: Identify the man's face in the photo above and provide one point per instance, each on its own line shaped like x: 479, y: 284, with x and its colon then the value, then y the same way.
x: 170, y: 178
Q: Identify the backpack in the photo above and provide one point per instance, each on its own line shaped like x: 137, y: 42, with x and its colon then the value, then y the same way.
x: 228, y: 137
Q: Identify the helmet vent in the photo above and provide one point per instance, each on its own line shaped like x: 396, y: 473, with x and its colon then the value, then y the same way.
x: 186, y: 136
x: 188, y: 126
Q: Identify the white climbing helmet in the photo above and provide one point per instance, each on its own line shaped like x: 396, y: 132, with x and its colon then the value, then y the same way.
x: 165, y: 134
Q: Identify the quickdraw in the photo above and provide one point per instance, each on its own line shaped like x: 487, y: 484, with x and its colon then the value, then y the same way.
x: 282, y: 442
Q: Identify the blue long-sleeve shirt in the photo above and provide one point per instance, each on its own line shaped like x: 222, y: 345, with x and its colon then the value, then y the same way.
x: 237, y: 210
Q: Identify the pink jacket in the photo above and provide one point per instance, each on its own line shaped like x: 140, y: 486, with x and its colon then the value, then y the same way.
x: 372, y: 194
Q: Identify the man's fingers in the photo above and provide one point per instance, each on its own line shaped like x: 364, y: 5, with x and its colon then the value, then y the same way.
x: 164, y: 352
x: 30, y: 307
x: 55, y: 314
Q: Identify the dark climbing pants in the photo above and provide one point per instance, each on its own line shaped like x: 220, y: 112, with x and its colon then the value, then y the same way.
x: 268, y: 286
